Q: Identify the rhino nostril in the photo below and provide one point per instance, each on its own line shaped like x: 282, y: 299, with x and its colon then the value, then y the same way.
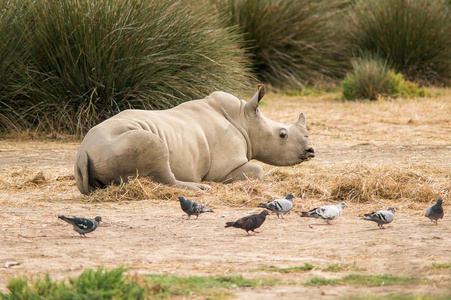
x: 310, y: 152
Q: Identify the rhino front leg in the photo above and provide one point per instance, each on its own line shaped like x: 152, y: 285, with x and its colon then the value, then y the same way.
x: 191, y: 185
x: 249, y: 170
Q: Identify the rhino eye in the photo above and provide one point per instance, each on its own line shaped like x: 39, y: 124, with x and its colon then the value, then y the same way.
x: 283, y: 134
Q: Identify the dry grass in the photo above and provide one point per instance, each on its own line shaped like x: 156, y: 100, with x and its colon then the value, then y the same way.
x: 366, y: 184
x: 385, y: 150
x: 355, y: 184
x: 23, y: 178
x: 134, y: 189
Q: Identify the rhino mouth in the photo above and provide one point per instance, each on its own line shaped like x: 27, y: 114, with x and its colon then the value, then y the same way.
x: 309, y: 153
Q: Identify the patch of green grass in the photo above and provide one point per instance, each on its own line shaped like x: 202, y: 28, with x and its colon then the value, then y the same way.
x: 304, y: 268
x: 441, y: 266
x: 342, y: 267
x: 113, y: 284
x: 366, y: 280
x: 321, y: 281
x: 398, y: 297
x: 165, y: 286
x: 99, y: 284
x: 307, y: 267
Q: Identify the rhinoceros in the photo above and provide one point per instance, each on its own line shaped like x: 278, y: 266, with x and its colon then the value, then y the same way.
x: 212, y: 139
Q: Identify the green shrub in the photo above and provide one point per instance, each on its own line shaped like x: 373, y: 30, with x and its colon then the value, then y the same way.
x: 372, y: 78
x: 88, y: 60
x: 99, y: 284
x: 414, y: 35
x: 292, y: 42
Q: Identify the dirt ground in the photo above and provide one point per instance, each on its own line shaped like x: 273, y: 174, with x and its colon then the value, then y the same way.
x: 153, y: 236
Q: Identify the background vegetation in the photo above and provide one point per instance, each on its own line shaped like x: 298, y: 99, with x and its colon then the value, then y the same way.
x: 292, y: 43
x: 68, y: 65
x: 87, y: 60
x: 372, y: 77
x: 413, y: 35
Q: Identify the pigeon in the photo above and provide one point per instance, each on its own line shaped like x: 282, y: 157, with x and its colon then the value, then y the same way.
x: 381, y: 217
x: 82, y: 225
x: 249, y: 223
x: 279, y: 206
x: 327, y: 212
x: 192, y: 208
x: 435, y: 211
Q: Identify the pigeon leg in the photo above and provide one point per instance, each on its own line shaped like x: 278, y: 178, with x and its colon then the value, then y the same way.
x: 329, y: 223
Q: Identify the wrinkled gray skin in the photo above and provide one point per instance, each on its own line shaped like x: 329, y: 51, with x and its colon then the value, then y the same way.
x: 212, y: 139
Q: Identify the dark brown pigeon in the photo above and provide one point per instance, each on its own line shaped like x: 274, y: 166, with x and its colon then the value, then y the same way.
x: 249, y: 223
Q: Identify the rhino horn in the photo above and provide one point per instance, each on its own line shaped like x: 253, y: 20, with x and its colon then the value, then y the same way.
x: 253, y: 103
x: 301, y: 120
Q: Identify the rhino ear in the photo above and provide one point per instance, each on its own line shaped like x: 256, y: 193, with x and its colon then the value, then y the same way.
x: 301, y: 120
x: 252, y: 105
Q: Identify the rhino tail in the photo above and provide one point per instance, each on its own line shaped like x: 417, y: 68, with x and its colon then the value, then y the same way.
x: 82, y: 172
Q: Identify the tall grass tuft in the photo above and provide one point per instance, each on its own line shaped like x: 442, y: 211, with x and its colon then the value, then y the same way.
x: 292, y: 42
x: 371, y: 78
x: 15, y: 24
x: 91, y: 59
x: 414, y: 35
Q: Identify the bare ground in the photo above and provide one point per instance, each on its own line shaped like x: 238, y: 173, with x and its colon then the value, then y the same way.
x: 153, y: 236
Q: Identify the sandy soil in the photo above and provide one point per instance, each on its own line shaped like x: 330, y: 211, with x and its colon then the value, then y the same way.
x: 153, y: 236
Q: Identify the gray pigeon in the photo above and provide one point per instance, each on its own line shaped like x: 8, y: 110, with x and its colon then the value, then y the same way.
x: 381, y: 217
x: 192, y: 208
x: 279, y: 206
x: 327, y: 212
x: 82, y: 225
x: 249, y: 223
x: 435, y: 211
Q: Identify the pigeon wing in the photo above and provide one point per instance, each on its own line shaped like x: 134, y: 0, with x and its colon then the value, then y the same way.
x: 84, y: 224
x: 380, y: 217
x: 285, y: 205
x: 328, y: 212
x: 247, y: 223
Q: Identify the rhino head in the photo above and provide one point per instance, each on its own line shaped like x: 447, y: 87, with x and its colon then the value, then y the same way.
x: 276, y: 143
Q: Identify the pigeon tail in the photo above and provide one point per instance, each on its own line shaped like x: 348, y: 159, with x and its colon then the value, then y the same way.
x: 68, y: 220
